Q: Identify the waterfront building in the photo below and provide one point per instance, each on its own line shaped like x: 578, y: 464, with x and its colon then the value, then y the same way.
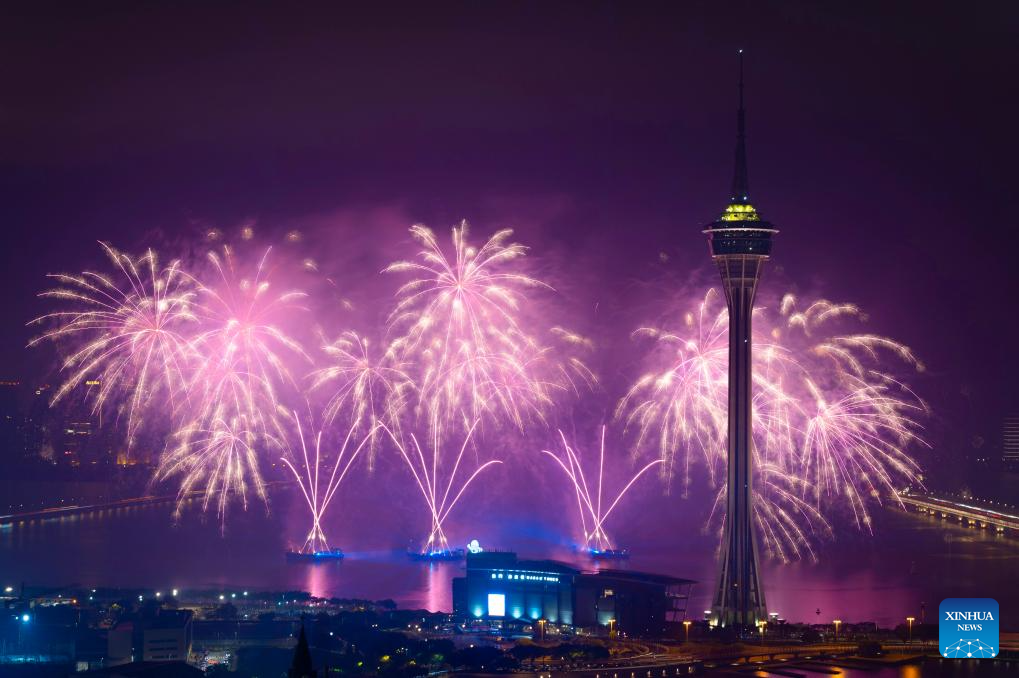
x: 499, y: 587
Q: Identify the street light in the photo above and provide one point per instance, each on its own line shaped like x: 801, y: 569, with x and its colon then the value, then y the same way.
x: 836, y: 622
x: 612, y: 628
x: 541, y: 625
x: 763, y: 625
x: 910, y: 620
x: 686, y: 627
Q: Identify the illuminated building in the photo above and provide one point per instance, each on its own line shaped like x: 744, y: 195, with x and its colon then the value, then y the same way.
x: 75, y: 436
x: 33, y: 632
x: 37, y: 420
x: 82, y: 439
x: 500, y: 588
x: 740, y: 243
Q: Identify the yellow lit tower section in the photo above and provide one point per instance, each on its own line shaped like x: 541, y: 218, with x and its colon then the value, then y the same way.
x: 740, y: 243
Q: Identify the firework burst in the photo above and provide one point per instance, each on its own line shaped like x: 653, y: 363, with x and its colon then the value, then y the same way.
x: 366, y: 388
x: 129, y: 330
x: 215, y: 459
x: 242, y: 350
x: 459, y: 320
x: 858, y: 421
x: 832, y: 427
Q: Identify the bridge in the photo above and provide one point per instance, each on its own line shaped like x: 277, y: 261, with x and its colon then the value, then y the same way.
x: 988, y: 515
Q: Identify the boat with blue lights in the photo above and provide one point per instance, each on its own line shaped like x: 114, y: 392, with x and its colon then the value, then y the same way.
x: 314, y: 556
x: 437, y: 555
x: 608, y: 554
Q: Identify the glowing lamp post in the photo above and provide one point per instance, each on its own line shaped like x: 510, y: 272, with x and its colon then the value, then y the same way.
x: 909, y: 621
x: 686, y: 627
x: 763, y: 625
x: 612, y: 628
x: 837, y: 622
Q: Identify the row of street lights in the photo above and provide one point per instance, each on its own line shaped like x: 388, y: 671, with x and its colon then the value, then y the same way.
x: 762, y: 626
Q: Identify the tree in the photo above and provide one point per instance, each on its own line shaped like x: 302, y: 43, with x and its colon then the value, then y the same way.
x: 301, y: 667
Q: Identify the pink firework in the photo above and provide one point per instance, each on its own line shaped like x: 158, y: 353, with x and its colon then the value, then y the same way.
x: 460, y: 321
x: 366, y: 387
x: 242, y: 349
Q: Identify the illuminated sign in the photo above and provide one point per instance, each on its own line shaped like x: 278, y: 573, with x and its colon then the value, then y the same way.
x: 496, y: 605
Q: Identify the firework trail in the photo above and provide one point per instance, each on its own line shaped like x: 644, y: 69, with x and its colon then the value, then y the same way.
x: 441, y: 494
x: 241, y: 351
x: 216, y: 459
x: 832, y: 427
x: 131, y: 330
x: 589, y: 500
x: 367, y: 388
x: 318, y: 491
x: 459, y: 319
x: 572, y: 372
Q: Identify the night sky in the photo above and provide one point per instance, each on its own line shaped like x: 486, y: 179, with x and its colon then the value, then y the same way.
x: 881, y: 142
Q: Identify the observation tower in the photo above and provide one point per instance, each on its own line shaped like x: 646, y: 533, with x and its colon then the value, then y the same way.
x: 740, y: 243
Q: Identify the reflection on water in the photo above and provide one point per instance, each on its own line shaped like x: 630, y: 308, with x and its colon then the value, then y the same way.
x: 911, y: 564
x: 931, y: 668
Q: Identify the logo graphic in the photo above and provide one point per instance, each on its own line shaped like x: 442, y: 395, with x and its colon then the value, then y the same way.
x: 968, y: 628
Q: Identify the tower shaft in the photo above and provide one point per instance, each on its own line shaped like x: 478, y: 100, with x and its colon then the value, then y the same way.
x: 739, y: 597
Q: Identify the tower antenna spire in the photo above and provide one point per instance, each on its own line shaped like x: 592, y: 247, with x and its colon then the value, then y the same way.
x: 740, y: 180
x: 741, y: 80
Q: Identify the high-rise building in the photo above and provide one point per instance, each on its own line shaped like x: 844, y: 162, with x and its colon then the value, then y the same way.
x: 11, y: 425
x: 76, y: 435
x: 740, y: 243
x: 1010, y: 441
x: 38, y: 424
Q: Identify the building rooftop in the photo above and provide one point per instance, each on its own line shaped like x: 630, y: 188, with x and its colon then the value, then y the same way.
x: 628, y: 575
x: 507, y: 560
x: 164, y: 619
x: 170, y: 619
